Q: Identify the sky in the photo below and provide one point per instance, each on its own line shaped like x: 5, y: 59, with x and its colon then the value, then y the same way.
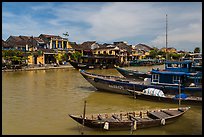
x: 108, y: 22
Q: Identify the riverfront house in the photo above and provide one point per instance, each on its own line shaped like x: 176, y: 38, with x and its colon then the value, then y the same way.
x: 48, y: 49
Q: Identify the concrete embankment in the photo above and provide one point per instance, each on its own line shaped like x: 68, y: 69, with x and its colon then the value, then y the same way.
x: 38, y: 68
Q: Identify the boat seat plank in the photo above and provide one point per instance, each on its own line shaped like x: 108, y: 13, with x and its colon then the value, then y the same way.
x: 100, y: 117
x: 116, y: 117
x: 159, y: 115
x: 140, y: 119
x: 172, y: 112
x: 111, y: 119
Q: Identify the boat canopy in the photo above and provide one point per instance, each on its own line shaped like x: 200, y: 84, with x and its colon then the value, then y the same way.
x: 179, y: 62
x: 173, y: 73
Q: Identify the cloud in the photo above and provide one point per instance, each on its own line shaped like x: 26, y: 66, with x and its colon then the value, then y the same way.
x: 109, y: 21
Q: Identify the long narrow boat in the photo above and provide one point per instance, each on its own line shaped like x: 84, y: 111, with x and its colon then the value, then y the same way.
x: 94, y: 61
x: 78, y: 65
x: 133, y: 74
x: 131, y: 120
x: 186, y: 66
x: 190, y: 100
x: 121, y: 85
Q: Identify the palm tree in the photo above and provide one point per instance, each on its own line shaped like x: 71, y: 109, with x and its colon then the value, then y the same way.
x: 66, y: 34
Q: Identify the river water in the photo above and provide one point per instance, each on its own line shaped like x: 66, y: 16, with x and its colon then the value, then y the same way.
x: 38, y: 103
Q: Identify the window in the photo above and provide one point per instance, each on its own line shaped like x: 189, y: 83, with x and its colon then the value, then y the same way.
x: 184, y: 65
x: 53, y: 44
x: 110, y: 52
x: 59, y: 44
x: 176, y: 79
x: 169, y: 65
x: 155, y: 78
x: 65, y: 44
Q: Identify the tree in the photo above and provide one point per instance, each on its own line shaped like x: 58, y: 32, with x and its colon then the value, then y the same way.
x: 197, y: 50
x: 153, y: 54
x: 76, y: 56
x: 58, y: 58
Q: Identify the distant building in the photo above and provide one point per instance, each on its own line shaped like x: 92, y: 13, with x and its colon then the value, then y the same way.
x: 169, y: 50
x: 140, y: 51
x: 18, y: 43
x: 6, y: 46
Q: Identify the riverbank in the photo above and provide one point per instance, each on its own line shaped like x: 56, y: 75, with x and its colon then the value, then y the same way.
x: 39, y: 68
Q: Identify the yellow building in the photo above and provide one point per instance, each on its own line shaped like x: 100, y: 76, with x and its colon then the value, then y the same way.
x: 106, y: 51
x: 35, y: 59
x: 169, y: 50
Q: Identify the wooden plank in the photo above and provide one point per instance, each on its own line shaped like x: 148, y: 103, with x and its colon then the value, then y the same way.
x: 160, y: 114
x: 116, y: 117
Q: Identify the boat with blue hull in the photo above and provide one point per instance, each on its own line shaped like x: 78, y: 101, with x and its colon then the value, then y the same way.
x: 121, y: 85
x: 184, y: 99
x: 170, y: 66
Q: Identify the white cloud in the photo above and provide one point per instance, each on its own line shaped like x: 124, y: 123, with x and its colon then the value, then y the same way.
x: 107, y: 22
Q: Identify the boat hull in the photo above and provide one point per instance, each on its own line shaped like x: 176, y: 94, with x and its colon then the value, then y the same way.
x: 77, y: 65
x: 130, y: 121
x: 140, y: 95
x: 133, y: 74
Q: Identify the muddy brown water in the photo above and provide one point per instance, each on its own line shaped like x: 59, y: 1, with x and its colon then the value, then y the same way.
x: 38, y: 103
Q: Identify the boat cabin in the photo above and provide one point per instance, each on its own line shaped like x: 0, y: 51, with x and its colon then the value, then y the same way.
x: 179, y: 66
x: 172, y: 78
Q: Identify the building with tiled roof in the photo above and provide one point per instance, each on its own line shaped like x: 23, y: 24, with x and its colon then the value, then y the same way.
x: 6, y: 46
x: 142, y: 47
x: 55, y: 42
x: 18, y: 43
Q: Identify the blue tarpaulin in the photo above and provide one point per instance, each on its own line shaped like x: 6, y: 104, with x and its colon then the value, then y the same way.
x: 182, y: 95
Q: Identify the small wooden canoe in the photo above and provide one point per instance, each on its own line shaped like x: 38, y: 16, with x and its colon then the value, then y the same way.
x: 131, y: 120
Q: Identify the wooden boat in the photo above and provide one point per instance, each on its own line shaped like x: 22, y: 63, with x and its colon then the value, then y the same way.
x: 190, y: 100
x: 78, y: 65
x: 93, y: 62
x: 121, y: 85
x: 133, y: 74
x: 131, y: 120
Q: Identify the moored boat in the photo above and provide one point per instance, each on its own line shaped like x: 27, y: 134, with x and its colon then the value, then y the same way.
x: 130, y: 120
x: 93, y: 62
x: 133, y: 74
x: 186, y: 66
x: 184, y: 99
x: 78, y: 65
x: 146, y: 62
x: 121, y: 85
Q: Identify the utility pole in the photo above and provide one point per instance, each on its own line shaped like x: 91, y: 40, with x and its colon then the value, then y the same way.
x: 166, y: 36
